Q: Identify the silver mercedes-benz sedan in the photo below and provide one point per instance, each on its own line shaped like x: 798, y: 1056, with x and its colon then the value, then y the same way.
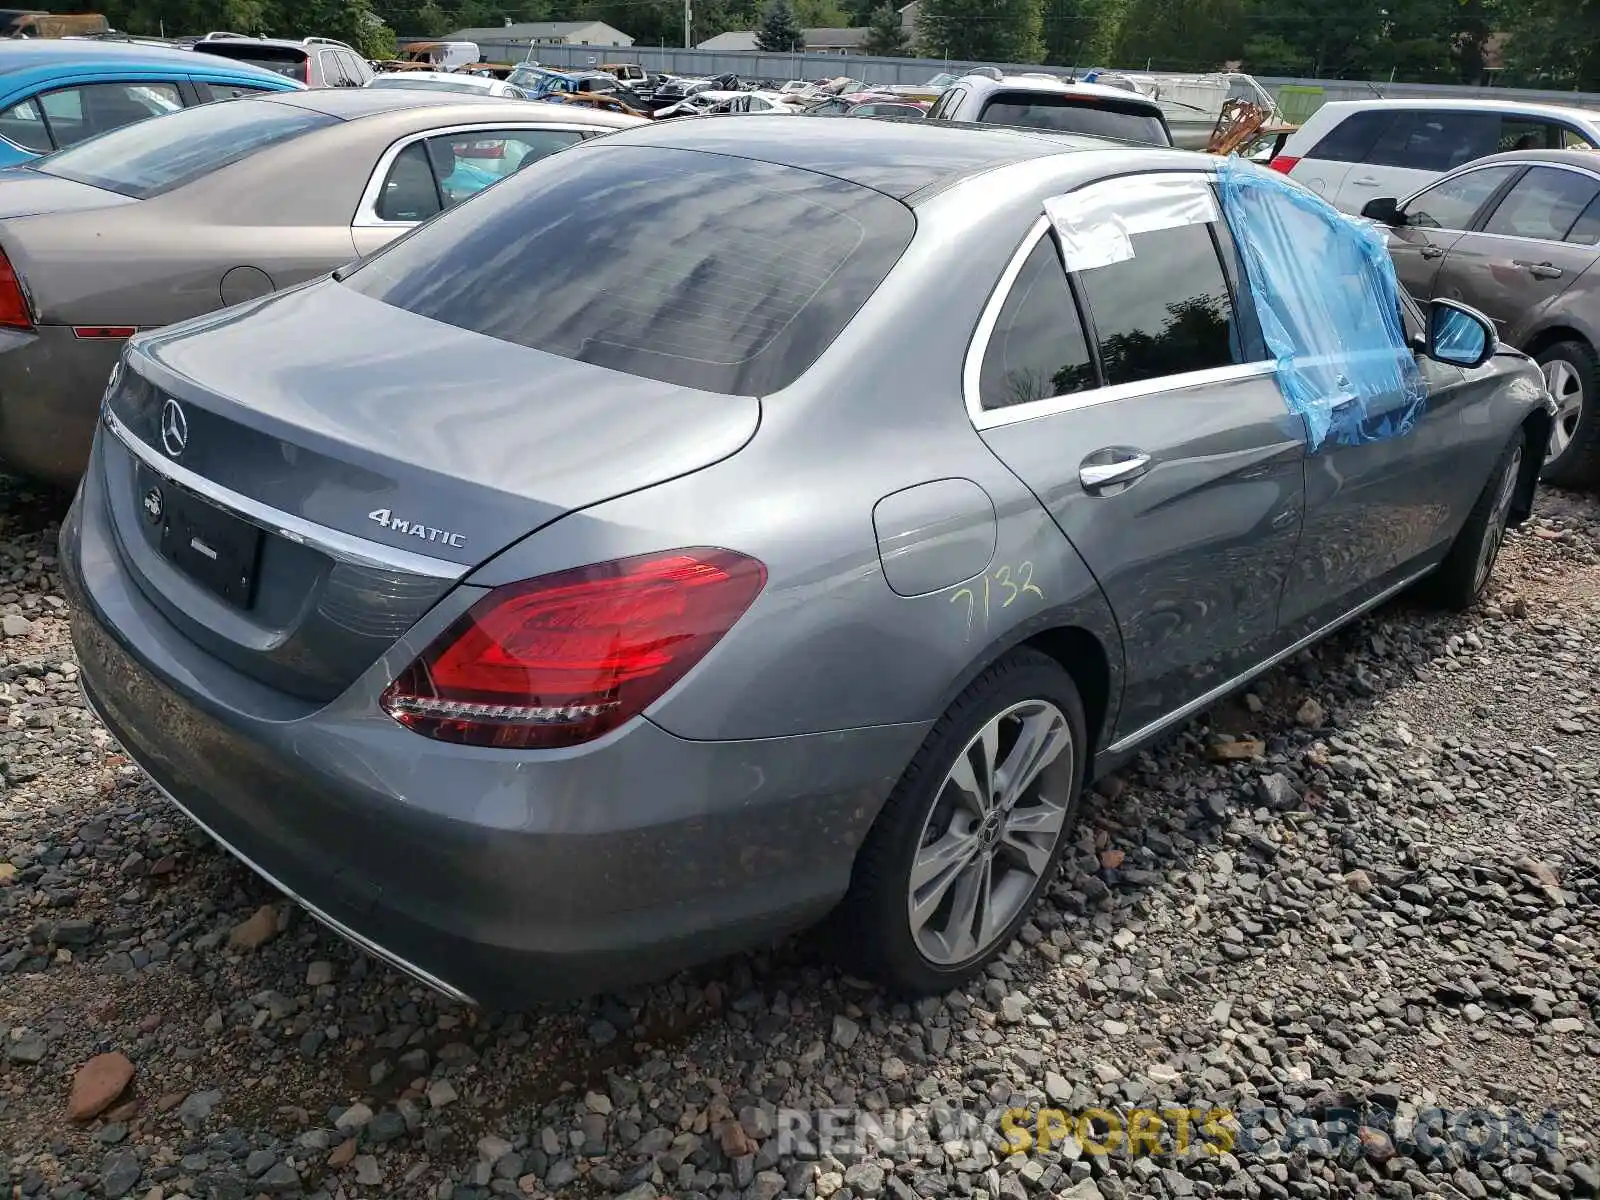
x: 725, y: 523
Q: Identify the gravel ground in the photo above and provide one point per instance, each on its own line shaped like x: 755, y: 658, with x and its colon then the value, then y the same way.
x: 1365, y: 894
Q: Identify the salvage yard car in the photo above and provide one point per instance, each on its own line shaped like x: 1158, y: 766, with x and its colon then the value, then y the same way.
x: 57, y: 93
x: 210, y: 206
x: 1518, y: 235
x: 481, y: 598
x: 1043, y: 103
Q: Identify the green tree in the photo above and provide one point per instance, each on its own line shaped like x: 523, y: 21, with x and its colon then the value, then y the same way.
x: 885, y: 34
x: 1182, y: 35
x: 1554, y: 43
x: 982, y: 30
x: 779, y: 32
x: 1068, y: 28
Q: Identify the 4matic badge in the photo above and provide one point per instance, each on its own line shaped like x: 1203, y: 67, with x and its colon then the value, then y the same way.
x: 416, y: 529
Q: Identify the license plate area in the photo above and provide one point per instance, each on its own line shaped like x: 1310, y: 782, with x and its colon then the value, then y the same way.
x: 216, y: 549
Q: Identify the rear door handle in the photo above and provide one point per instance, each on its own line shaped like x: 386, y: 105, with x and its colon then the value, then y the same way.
x: 1431, y: 252
x: 1369, y: 181
x: 1542, y: 270
x: 1130, y: 465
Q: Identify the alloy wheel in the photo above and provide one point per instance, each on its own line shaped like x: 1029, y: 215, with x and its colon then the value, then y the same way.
x: 1494, y: 535
x: 1566, y: 385
x: 991, y: 833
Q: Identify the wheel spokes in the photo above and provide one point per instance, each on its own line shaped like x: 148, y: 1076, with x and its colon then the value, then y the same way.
x: 1042, y: 738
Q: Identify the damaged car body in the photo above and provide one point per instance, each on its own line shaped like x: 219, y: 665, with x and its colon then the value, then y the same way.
x: 827, y: 593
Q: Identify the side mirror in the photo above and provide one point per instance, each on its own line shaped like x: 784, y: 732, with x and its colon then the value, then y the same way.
x: 1459, y: 336
x: 1383, y: 208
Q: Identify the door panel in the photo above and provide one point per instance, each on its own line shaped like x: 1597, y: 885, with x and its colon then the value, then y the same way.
x: 1368, y: 181
x: 1179, y: 483
x: 1431, y: 223
x: 1378, y: 510
x: 1518, y: 264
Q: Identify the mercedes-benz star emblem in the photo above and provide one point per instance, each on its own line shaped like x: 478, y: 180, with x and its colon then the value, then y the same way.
x: 174, y: 428
x: 153, y: 505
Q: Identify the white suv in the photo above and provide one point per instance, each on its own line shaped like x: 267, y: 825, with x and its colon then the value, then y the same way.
x: 1351, y: 151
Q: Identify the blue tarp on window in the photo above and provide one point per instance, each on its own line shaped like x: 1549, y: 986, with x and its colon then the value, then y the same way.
x: 1329, y: 304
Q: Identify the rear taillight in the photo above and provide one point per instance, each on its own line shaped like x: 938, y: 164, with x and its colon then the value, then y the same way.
x: 14, y: 313
x: 482, y: 150
x: 564, y: 658
x: 1284, y: 163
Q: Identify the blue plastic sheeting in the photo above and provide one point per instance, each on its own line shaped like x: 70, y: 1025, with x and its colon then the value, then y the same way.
x: 1325, y: 290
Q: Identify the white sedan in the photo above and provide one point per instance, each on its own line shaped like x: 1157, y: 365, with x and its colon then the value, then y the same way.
x: 447, y: 81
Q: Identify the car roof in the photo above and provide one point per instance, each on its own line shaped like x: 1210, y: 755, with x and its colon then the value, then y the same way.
x: 350, y: 104
x: 901, y: 159
x: 1570, y: 112
x: 474, y: 81
x: 1587, y: 159
x: 269, y: 41
x: 25, y: 54
x: 1055, y: 86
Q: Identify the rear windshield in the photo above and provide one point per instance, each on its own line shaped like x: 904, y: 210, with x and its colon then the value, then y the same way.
x: 713, y: 272
x: 285, y: 60
x: 150, y: 157
x: 1076, y: 114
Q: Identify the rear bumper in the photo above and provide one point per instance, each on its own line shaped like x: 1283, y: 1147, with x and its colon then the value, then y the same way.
x: 51, y: 384
x: 494, y: 875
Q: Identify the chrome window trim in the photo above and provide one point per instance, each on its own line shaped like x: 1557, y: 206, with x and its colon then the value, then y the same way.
x: 342, y: 547
x: 367, y: 210
x: 1050, y: 406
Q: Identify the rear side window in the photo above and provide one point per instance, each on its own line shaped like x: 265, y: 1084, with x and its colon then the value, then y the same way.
x: 1037, y: 349
x: 74, y: 114
x: 946, y: 104
x: 1352, y: 139
x: 717, y: 273
x: 1436, y: 141
x: 23, y: 125
x: 1165, y: 311
x: 1586, y: 230
x: 1545, y: 203
x: 451, y: 167
x: 147, y: 159
x: 232, y: 91
x: 1452, y: 203
x: 1071, y: 114
x: 285, y: 60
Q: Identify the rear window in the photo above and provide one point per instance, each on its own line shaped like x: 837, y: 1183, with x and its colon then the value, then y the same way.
x: 717, y: 273
x: 285, y: 60
x: 151, y: 157
x: 1075, y: 114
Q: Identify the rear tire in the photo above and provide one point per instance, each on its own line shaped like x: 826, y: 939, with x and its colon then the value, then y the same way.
x: 1467, y: 568
x: 1572, y: 373
x: 972, y: 834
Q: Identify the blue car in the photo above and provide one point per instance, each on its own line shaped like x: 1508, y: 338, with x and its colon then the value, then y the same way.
x: 56, y: 92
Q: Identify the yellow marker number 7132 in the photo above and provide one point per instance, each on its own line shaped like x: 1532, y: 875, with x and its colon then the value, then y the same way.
x: 1001, y: 587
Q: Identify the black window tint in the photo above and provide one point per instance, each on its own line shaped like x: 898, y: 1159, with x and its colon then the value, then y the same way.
x: 947, y: 103
x: 1452, y: 203
x: 724, y: 274
x: 1165, y: 311
x: 1544, y: 204
x: 355, y: 70
x: 146, y: 158
x: 1245, y: 340
x: 332, y: 70
x: 1352, y: 139
x: 1436, y: 140
x: 1070, y: 114
x: 78, y: 113
x: 1037, y: 349
x: 410, y: 192
x: 23, y: 125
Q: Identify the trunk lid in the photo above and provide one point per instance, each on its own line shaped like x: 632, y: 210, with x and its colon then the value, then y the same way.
x: 362, y: 459
x: 25, y: 192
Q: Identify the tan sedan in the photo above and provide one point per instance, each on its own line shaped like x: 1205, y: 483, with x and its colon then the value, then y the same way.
x: 218, y: 204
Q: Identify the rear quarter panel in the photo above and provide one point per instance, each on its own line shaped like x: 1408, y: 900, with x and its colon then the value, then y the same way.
x: 828, y: 644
